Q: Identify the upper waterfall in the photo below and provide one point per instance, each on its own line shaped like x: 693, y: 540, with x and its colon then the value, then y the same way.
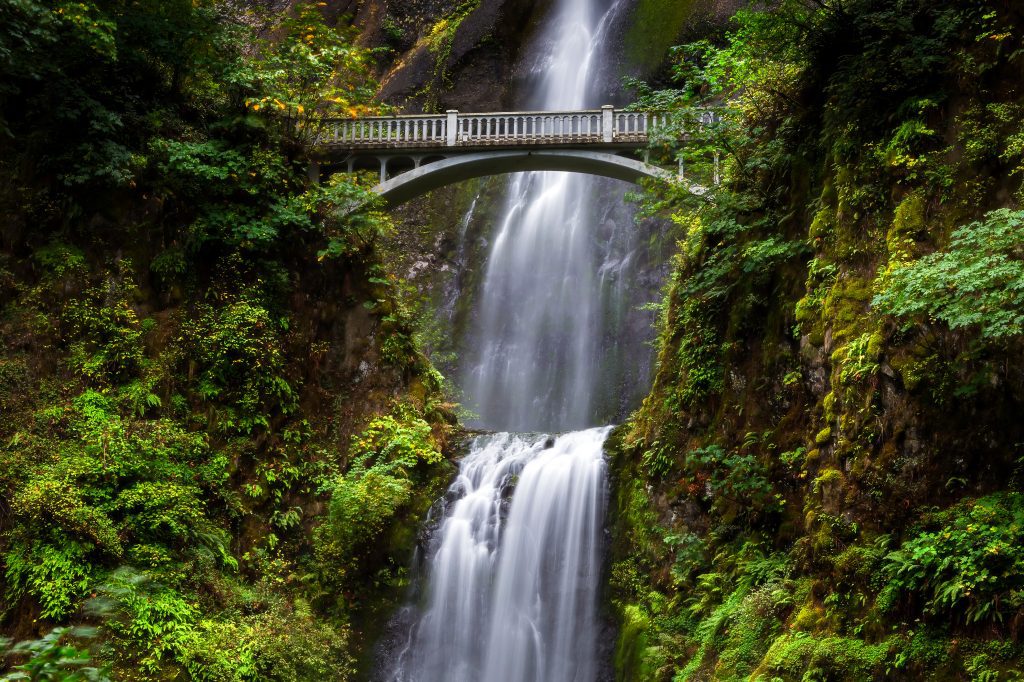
x: 543, y: 345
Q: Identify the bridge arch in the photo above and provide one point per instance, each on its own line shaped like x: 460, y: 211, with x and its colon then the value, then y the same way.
x: 431, y: 176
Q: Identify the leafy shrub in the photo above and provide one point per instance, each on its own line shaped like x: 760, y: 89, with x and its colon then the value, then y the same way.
x: 55, y: 573
x: 967, y: 562
x: 52, y: 658
x: 171, y: 513
x: 976, y: 282
x: 285, y: 642
x: 735, y: 479
x: 240, y: 347
x: 379, y: 482
x: 47, y: 503
x: 154, y: 621
x: 107, y: 337
x: 58, y: 259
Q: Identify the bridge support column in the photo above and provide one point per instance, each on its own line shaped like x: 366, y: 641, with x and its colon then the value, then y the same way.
x: 608, y: 122
x: 383, y: 169
x: 313, y: 172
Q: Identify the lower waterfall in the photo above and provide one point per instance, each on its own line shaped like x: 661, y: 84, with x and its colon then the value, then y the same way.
x: 512, y: 589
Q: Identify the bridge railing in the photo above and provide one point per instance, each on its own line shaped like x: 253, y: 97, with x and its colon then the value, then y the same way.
x: 373, y: 131
x: 562, y: 125
x: 605, y: 125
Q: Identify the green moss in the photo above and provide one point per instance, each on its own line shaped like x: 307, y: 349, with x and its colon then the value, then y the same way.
x: 809, y: 616
x: 918, y: 365
x: 822, y: 224
x: 907, y: 224
x: 751, y: 628
x: 823, y: 436
x: 654, y: 28
x: 827, y: 477
x: 845, y: 305
x: 800, y: 655
x: 632, y: 662
x: 876, y: 344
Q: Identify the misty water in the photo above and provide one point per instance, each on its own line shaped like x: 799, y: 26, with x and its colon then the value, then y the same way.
x: 510, y: 580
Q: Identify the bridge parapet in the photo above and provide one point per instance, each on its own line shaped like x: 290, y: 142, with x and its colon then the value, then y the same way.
x: 606, y: 126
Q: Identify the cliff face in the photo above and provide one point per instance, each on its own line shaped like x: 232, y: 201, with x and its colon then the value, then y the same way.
x: 446, y: 55
x: 825, y: 480
x: 469, y: 55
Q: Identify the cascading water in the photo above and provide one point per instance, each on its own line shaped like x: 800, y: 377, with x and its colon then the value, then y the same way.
x: 512, y: 571
x: 536, y: 347
x: 512, y: 592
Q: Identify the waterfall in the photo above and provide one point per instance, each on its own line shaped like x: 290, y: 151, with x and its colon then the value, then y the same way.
x: 512, y: 571
x: 536, y: 350
x: 526, y: 612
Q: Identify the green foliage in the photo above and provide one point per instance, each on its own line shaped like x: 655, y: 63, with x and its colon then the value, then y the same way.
x: 859, y: 358
x: 154, y: 620
x: 59, y: 259
x: 163, y: 399
x: 807, y: 657
x: 735, y: 480
x: 439, y: 41
x: 71, y: 61
x: 402, y: 438
x: 967, y: 561
x: 239, y: 346
x: 977, y: 282
x: 53, y: 658
x: 350, y: 232
x: 379, y: 483
x: 107, y: 330
x: 283, y: 642
x: 47, y: 501
x: 840, y: 158
x: 307, y: 71
x: 56, y: 575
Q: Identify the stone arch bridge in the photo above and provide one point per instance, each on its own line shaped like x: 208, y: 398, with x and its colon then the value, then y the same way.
x: 417, y: 154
